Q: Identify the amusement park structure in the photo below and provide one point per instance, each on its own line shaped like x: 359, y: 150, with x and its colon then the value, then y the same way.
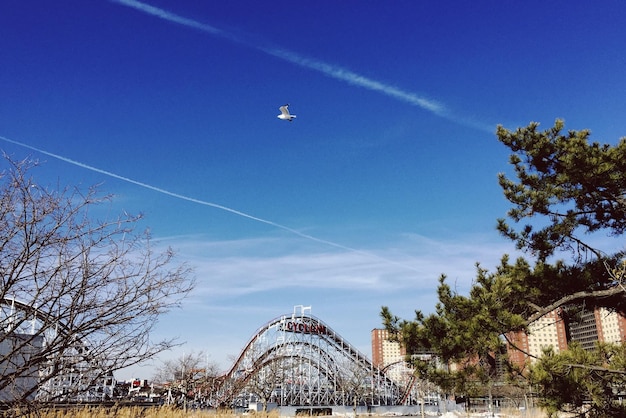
x: 297, y: 359
x: 31, y: 371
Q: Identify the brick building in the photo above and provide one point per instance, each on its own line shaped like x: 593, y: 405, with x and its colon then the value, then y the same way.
x: 384, y: 351
x: 562, y: 326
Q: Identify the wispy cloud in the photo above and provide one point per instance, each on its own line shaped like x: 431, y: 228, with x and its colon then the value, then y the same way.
x: 244, y: 267
x: 330, y: 70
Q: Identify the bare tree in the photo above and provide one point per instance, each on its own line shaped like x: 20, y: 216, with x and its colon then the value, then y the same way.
x: 268, y: 377
x: 191, y: 377
x: 355, y: 381
x: 79, y: 297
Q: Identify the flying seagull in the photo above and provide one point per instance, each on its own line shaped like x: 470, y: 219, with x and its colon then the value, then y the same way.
x: 284, y: 113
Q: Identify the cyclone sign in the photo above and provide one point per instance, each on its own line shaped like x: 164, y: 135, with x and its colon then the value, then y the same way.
x: 303, y: 327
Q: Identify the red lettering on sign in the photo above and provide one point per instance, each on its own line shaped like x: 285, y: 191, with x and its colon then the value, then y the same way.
x: 303, y: 327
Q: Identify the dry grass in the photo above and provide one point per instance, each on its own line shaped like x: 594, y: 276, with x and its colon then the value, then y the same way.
x: 168, y: 412
x: 135, y: 412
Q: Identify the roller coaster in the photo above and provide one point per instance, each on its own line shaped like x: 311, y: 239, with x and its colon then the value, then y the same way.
x: 297, y: 359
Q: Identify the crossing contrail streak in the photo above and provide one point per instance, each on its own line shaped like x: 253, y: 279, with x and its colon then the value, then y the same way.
x: 205, y: 203
x: 330, y: 70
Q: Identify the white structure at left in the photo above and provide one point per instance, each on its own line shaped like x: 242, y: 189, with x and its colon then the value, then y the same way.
x: 72, y: 375
x: 16, y: 351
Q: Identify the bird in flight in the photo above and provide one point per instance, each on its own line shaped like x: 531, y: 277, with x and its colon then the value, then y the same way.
x: 284, y: 113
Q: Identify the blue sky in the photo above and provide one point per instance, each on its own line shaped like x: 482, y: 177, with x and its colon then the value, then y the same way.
x: 386, y: 179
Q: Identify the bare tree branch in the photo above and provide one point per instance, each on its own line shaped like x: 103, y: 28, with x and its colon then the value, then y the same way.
x: 81, y: 295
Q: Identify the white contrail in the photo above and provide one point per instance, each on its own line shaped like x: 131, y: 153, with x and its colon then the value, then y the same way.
x: 329, y: 70
x: 205, y: 203
x: 356, y: 79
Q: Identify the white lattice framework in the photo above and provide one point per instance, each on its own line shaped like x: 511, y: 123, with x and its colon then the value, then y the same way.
x: 299, y: 360
x: 72, y: 375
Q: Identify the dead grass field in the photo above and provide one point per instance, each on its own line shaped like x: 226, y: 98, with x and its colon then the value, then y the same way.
x: 132, y: 412
x: 167, y: 412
